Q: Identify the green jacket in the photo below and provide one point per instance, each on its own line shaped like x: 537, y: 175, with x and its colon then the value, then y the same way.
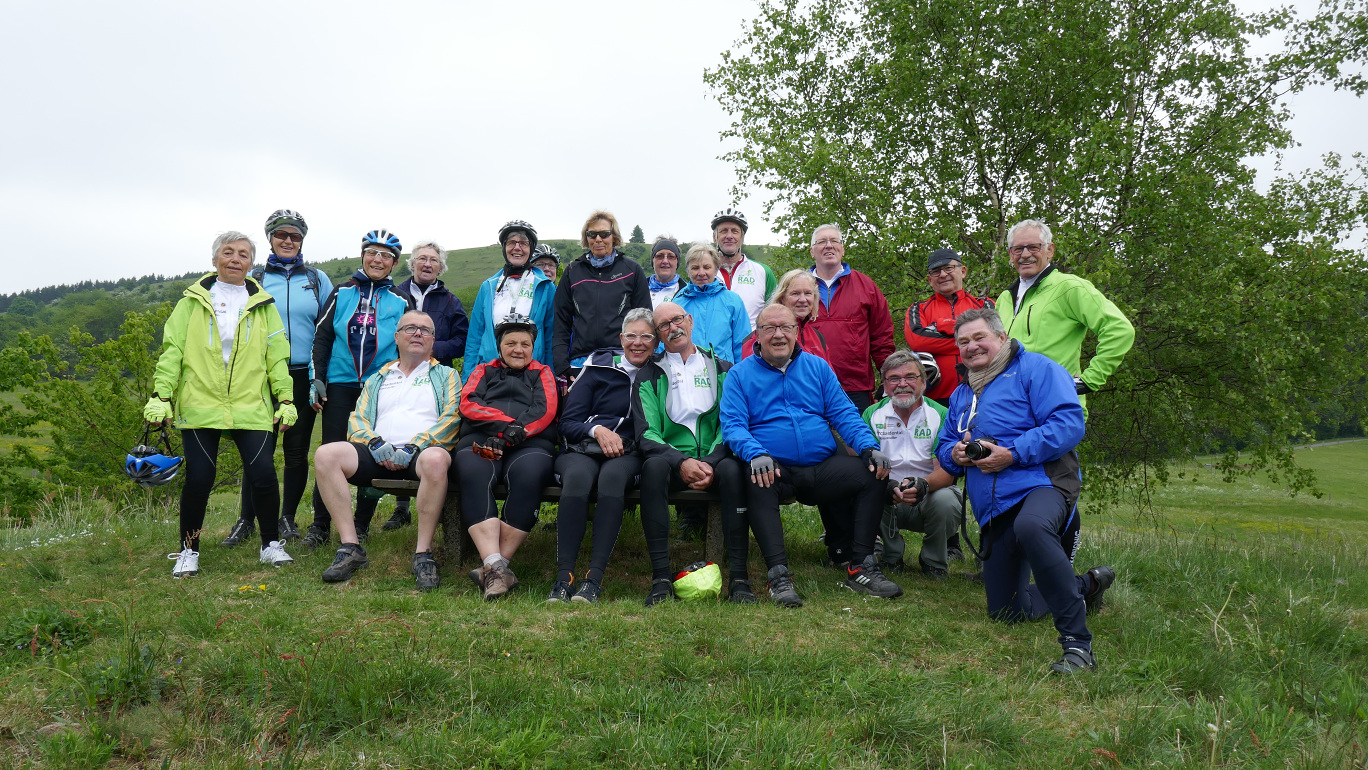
x: 446, y: 387
x: 1057, y: 312
x: 658, y: 435
x: 208, y: 394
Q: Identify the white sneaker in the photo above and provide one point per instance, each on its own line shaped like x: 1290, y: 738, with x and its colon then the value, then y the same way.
x: 274, y: 554
x: 187, y: 563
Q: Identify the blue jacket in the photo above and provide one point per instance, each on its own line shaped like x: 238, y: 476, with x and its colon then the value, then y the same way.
x: 347, y: 356
x: 786, y: 414
x: 721, y: 323
x: 448, y: 319
x: 1030, y: 408
x: 299, y: 295
x: 480, y: 347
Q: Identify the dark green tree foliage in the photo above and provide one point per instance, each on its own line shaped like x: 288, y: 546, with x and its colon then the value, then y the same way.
x: 1127, y: 127
x: 637, y: 235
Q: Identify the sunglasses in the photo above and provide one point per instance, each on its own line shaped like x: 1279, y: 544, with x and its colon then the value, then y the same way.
x: 284, y: 236
x: 602, y: 234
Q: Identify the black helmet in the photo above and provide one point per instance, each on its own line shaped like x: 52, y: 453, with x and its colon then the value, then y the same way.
x: 286, y: 218
x: 152, y: 465
x: 545, y: 250
x: 730, y: 214
x: 514, y: 322
x: 518, y: 224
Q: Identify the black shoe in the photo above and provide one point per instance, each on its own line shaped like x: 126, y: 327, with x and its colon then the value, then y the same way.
x: 781, y: 588
x: 588, y: 592
x: 954, y: 554
x: 362, y: 534
x: 399, y: 520
x: 288, y: 530
x: 867, y: 579
x: 740, y: 592
x: 241, y: 531
x: 1075, y: 659
x: 560, y: 592
x: 932, y: 572
x: 662, y: 590
x: 315, y: 536
x: 425, y: 571
x: 348, y: 560
x: 973, y: 577
x: 1102, y: 578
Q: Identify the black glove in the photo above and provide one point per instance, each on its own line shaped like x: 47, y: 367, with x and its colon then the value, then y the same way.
x: 514, y: 434
x: 916, y: 483
x: 876, y: 459
x: 496, y: 444
x: 1081, y: 387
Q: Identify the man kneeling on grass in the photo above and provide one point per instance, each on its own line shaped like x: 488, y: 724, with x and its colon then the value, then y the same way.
x: 403, y: 426
x: 1011, y: 431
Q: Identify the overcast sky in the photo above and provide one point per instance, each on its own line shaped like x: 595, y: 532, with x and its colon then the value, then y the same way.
x: 136, y: 131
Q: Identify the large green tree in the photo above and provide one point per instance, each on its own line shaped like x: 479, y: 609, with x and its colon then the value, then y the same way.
x: 1129, y: 127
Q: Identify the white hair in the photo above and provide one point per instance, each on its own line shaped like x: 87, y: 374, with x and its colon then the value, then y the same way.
x: 820, y: 228
x: 229, y: 237
x: 441, y: 255
x: 1046, y: 237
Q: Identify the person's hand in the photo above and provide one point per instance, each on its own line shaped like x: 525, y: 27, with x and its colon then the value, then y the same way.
x: 877, y: 462
x: 492, y: 449
x: 381, y: 450
x: 318, y: 393
x: 957, y: 451
x: 911, y: 490
x: 999, y: 458
x: 402, y: 456
x: 157, y: 411
x: 763, y: 471
x: 286, y: 415
x: 696, y: 473
x: 514, y: 434
x: 608, y: 441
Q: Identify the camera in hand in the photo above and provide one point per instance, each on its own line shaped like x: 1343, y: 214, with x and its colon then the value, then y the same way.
x: 976, y: 450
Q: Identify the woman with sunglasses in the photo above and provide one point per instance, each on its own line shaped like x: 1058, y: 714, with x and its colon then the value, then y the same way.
x: 594, y: 295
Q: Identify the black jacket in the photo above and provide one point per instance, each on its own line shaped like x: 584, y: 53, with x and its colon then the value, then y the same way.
x: 601, y: 396
x: 590, y: 304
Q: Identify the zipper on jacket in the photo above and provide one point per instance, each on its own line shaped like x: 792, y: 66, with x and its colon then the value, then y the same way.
x: 1028, y: 319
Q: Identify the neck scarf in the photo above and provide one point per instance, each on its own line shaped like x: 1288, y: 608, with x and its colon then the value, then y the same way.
x: 978, y: 380
x: 658, y: 286
x: 285, y: 264
x: 601, y: 263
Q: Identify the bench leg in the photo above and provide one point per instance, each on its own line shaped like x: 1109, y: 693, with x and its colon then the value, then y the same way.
x: 453, y: 533
x: 712, y: 547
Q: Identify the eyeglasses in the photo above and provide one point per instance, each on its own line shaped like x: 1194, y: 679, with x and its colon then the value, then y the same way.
x: 284, y: 236
x: 909, y: 379
x: 427, y: 261
x: 602, y: 234
x: 417, y: 331
x: 676, y: 321
x: 828, y: 242
x: 1034, y: 248
x: 946, y: 270
x: 772, y: 328
x: 647, y: 338
x: 377, y: 253
x: 518, y: 242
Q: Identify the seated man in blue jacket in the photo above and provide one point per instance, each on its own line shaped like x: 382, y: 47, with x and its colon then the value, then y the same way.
x: 776, y: 407
x: 1011, y: 430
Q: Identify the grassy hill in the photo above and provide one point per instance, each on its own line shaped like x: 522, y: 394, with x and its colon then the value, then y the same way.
x: 1236, y: 636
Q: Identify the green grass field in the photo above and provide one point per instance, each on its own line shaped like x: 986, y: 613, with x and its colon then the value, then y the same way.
x: 1236, y: 636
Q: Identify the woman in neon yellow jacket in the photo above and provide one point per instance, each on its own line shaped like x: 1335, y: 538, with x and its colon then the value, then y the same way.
x: 224, y: 354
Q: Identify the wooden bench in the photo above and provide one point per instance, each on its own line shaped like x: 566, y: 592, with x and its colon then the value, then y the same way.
x: 456, y: 544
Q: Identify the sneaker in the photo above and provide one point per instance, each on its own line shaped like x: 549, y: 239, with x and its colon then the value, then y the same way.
x: 273, y: 553
x: 496, y: 582
x: 1101, y: 578
x: 400, y: 519
x: 1075, y: 659
x: 588, y: 592
x: 662, y: 590
x: 425, y: 572
x: 867, y: 579
x: 348, y: 560
x: 315, y: 536
x: 560, y: 592
x: 781, y: 588
x: 241, y: 531
x: 740, y: 592
x: 931, y: 572
x: 288, y: 530
x: 187, y: 563
x: 954, y: 554
x: 362, y: 534
x: 477, y: 576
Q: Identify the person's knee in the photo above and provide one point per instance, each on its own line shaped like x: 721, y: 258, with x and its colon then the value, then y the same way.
x: 1035, y: 534
x: 432, y: 461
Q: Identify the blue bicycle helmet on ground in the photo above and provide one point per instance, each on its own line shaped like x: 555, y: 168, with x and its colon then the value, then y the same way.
x: 152, y: 465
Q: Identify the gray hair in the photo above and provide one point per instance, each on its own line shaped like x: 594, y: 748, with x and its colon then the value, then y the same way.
x: 410, y: 312
x: 702, y: 250
x: 441, y: 255
x: 229, y: 237
x: 639, y: 314
x: 831, y: 226
x: 982, y: 314
x: 900, y: 358
x: 1046, y: 237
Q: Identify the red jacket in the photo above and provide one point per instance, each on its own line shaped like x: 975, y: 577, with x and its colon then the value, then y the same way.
x: 858, y: 328
x: 930, y: 328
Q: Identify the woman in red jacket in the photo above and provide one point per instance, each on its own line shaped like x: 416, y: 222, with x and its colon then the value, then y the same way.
x: 797, y: 290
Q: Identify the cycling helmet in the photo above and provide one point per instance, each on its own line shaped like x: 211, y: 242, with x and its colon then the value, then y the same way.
x: 515, y: 322
x: 518, y: 224
x: 383, y: 238
x: 930, y: 368
x: 545, y: 250
x: 152, y: 465
x: 286, y: 218
x: 730, y: 215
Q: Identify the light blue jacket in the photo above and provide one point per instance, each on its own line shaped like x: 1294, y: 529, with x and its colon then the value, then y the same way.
x: 480, y: 345
x: 721, y: 323
x: 298, y: 304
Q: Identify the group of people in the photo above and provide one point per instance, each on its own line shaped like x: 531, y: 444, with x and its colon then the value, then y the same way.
x: 605, y: 377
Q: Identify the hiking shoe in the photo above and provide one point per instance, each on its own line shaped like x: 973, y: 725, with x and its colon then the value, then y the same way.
x: 1075, y: 659
x: 287, y: 529
x: 588, y: 592
x: 781, y: 588
x: 315, y: 536
x: 560, y: 592
x: 273, y: 553
x: 662, y: 589
x: 932, y: 572
x: 399, y: 519
x: 867, y: 579
x: 1101, y: 579
x: 477, y: 576
x: 739, y: 592
x: 348, y: 560
x: 497, y: 581
x: 954, y: 554
x: 362, y: 534
x: 241, y: 531
x: 187, y: 563
x: 425, y: 572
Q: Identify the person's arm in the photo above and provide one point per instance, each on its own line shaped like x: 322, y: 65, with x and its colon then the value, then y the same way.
x: 649, y: 417
x: 167, y: 376
x: 541, y: 413
x: 735, y: 418
x: 948, y: 437
x: 1057, y: 414
x: 479, y: 321
x: 770, y: 283
x: 453, y: 346
x: 841, y: 413
x: 564, y: 315
x: 923, y: 335
x: 278, y: 356
x: 323, y: 338
x: 575, y: 410
x: 938, y: 478
x: 881, y: 340
x: 478, y: 415
x: 641, y: 288
x: 1115, y: 334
